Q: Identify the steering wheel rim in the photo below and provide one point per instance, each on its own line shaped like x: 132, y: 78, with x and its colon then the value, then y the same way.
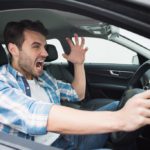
x: 125, y: 137
x: 138, y: 74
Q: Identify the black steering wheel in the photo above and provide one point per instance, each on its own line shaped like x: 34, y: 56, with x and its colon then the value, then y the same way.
x: 132, y: 89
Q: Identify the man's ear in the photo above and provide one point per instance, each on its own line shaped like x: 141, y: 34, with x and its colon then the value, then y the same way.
x: 13, y: 49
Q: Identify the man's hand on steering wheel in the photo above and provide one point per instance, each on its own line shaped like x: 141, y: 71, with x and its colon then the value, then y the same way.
x: 136, y: 112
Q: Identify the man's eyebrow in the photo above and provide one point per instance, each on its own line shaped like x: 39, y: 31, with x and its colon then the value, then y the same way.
x: 36, y: 43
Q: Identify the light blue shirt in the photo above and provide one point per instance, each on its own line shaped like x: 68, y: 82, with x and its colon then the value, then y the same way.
x: 19, y: 113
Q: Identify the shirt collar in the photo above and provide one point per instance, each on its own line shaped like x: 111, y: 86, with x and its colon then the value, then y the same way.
x: 13, y: 71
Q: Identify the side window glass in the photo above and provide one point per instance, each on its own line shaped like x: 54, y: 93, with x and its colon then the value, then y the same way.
x: 104, y: 51
x: 59, y: 48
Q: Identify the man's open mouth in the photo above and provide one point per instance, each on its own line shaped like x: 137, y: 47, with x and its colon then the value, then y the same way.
x: 40, y: 64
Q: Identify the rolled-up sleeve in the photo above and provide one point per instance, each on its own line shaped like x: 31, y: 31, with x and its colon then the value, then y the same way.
x: 21, y: 112
x: 67, y: 92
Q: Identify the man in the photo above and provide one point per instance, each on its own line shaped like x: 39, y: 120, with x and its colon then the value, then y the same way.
x: 30, y: 98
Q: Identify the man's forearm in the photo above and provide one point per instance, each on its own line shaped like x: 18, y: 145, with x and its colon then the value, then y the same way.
x: 72, y: 121
x: 79, y: 82
x: 134, y: 115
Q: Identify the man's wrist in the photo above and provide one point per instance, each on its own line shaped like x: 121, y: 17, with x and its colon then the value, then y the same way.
x: 119, y: 121
x: 79, y: 64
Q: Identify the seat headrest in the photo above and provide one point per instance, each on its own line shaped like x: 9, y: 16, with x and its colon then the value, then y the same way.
x: 52, y: 53
x: 3, y: 56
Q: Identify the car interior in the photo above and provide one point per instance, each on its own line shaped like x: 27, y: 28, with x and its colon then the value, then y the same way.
x: 106, y: 82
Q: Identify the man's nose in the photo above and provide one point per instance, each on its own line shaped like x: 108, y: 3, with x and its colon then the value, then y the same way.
x: 44, y: 52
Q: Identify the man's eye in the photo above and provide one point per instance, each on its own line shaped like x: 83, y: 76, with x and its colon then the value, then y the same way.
x: 36, y: 46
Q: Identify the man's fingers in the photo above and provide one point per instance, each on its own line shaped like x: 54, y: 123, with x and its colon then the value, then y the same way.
x: 69, y: 42
x: 145, y: 112
x: 147, y: 121
x: 145, y: 94
x: 65, y: 56
x: 145, y: 104
x: 86, y: 49
x: 76, y: 39
x: 82, y: 42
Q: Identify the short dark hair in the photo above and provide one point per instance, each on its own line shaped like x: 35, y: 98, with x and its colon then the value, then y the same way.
x: 14, y: 31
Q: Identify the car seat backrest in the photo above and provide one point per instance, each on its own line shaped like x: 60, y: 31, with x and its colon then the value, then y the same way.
x: 59, y: 72
x: 3, y: 56
x: 56, y: 70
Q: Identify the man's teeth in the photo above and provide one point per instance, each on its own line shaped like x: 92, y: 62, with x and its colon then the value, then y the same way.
x: 41, y: 61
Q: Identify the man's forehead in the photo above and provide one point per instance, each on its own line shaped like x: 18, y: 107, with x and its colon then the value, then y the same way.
x: 34, y: 37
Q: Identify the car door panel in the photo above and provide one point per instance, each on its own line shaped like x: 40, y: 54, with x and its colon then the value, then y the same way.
x: 108, y: 80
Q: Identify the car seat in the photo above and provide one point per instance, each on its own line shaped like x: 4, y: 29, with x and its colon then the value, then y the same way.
x: 3, y: 56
